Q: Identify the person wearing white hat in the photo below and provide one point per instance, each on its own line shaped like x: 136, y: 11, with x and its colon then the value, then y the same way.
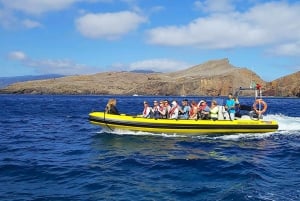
x: 202, y: 101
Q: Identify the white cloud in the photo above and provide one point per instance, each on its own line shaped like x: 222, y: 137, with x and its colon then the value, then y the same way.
x: 37, y: 6
x: 17, y: 55
x: 69, y: 67
x: 9, y: 21
x: 30, y: 23
x: 157, y: 65
x: 49, y: 66
x: 264, y: 24
x: 12, y: 12
x: 7, y: 18
x: 108, y: 25
x: 63, y: 67
x: 214, y: 5
x: 288, y: 49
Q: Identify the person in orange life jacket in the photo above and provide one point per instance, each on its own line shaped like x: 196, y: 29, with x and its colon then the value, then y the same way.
x: 155, y: 110
x: 111, y: 107
x: 184, y: 111
x: 174, y: 111
x: 203, y: 109
x: 147, y: 112
x: 194, y: 110
x: 167, y: 108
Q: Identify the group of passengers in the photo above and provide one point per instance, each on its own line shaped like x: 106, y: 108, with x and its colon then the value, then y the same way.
x: 164, y: 110
x: 193, y: 110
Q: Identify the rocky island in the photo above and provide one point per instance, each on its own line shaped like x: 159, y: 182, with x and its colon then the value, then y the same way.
x: 217, y: 77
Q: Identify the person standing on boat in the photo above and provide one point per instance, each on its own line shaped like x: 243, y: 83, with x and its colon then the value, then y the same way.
x: 111, y: 107
x: 147, y: 112
x: 230, y: 106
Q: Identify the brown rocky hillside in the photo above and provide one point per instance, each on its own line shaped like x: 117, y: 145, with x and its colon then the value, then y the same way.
x: 285, y: 86
x: 208, y: 79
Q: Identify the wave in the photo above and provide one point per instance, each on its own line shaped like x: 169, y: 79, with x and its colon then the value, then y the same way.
x: 285, y: 123
x: 138, y: 133
x: 227, y: 137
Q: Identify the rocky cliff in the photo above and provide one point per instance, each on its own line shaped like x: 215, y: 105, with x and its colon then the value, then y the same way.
x: 284, y: 86
x: 208, y: 79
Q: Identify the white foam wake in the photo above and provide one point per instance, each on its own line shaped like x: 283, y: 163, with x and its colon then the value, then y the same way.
x: 141, y: 133
x: 285, y: 123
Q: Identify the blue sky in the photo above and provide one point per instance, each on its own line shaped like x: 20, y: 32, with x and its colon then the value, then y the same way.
x: 91, y: 36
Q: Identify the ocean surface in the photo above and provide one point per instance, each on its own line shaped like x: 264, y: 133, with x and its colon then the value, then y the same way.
x: 49, y: 151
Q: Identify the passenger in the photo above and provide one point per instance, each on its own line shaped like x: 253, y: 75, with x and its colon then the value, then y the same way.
x: 229, y: 106
x: 194, y: 111
x: 162, y: 110
x: 111, y: 107
x: 214, y: 109
x: 155, y: 110
x: 174, y: 111
x: 203, y: 109
x: 237, y: 107
x: 167, y: 108
x: 184, y: 111
x: 147, y: 112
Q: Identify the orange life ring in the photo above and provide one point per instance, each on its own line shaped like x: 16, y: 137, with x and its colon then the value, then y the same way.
x: 262, y: 106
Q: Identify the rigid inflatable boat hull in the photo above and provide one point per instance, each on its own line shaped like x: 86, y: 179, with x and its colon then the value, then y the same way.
x: 181, y: 126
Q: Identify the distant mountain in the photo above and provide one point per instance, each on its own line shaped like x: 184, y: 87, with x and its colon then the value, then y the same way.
x: 217, y: 77
x: 285, y: 86
x: 5, y: 81
x: 212, y: 78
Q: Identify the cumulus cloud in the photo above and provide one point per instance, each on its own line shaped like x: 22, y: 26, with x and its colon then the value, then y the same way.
x: 11, y: 17
x: 108, y: 25
x: 263, y: 24
x: 49, y: 66
x: 157, y: 65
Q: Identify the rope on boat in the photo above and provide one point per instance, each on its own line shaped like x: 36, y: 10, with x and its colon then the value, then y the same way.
x: 106, y: 122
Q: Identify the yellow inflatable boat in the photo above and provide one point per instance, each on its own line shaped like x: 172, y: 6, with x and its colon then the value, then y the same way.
x: 112, y: 122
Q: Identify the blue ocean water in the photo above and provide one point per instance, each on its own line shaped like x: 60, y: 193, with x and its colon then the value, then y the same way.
x: 49, y: 151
